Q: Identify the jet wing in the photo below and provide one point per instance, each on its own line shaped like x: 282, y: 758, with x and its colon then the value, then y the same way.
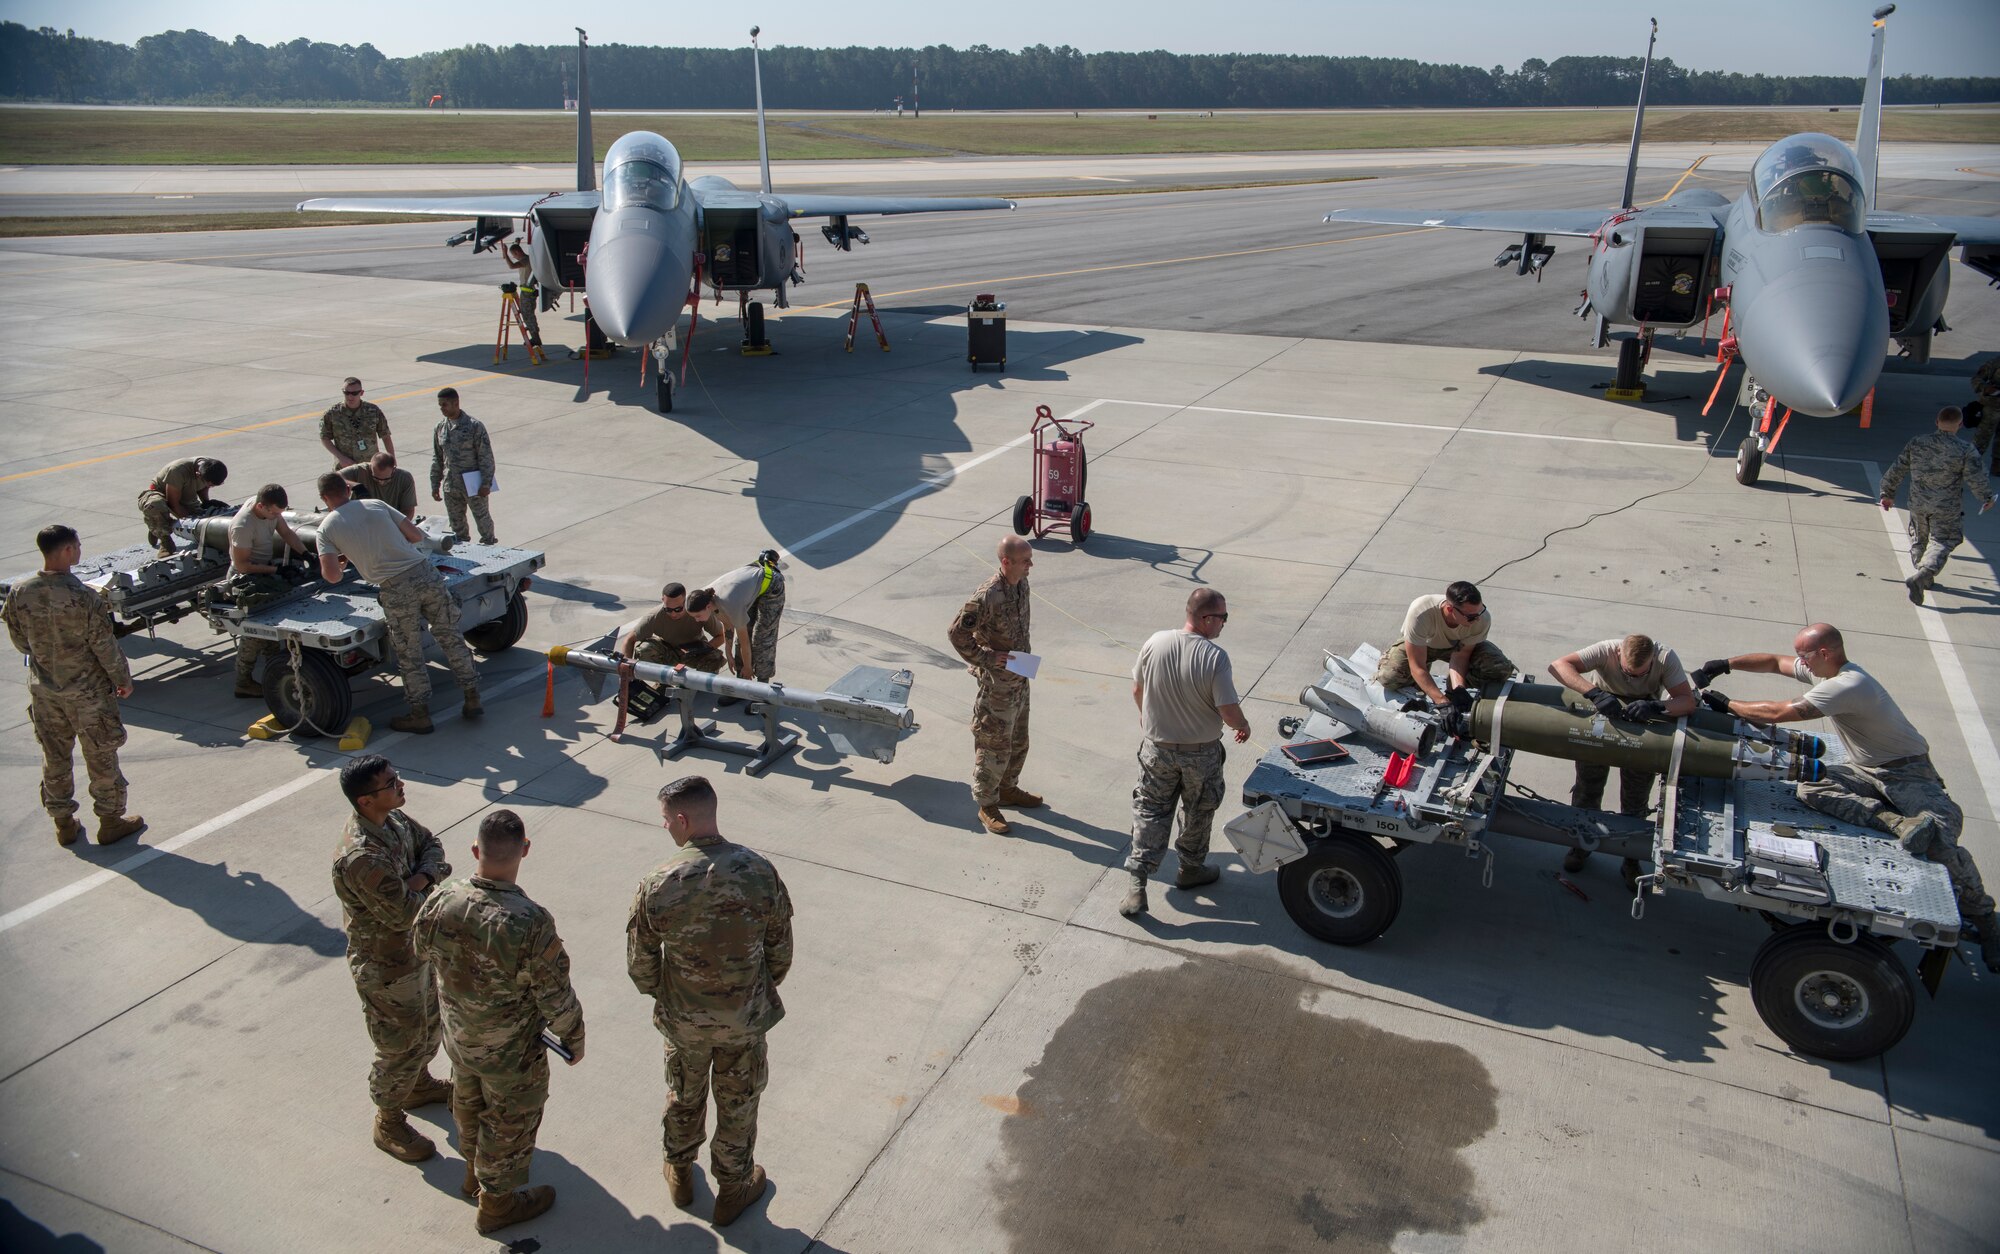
x: 514, y: 206
x: 1512, y: 221
x: 1977, y: 232
x: 847, y: 206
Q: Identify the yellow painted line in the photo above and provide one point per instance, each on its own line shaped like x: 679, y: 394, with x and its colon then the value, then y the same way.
x: 217, y: 435
x: 1985, y: 174
x: 1129, y: 265
x: 1684, y: 177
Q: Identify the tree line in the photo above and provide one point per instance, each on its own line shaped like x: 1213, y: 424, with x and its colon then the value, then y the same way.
x: 189, y: 67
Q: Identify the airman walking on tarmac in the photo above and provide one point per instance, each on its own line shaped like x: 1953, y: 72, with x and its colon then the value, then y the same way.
x: 1941, y: 468
x: 502, y: 978
x: 987, y: 632
x: 709, y: 940
x: 385, y: 867
x: 76, y: 677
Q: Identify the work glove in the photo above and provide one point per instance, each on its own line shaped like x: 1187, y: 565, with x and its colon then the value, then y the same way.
x: 1708, y: 671
x: 1460, y: 698
x: 1644, y: 711
x: 1416, y: 705
x: 1715, y: 701
x: 1607, y: 705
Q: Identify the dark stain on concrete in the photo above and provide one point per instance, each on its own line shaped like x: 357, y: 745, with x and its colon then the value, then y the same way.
x: 1202, y: 1108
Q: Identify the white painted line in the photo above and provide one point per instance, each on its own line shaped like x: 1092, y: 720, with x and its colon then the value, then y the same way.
x: 1972, y: 723
x: 1418, y: 426
x: 1445, y: 427
x: 931, y: 484
x: 121, y: 870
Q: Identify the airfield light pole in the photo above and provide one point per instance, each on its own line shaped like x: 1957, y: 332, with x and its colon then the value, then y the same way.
x: 916, y: 105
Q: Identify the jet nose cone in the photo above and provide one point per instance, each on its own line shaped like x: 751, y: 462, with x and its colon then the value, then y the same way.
x: 636, y: 288
x: 1815, y: 335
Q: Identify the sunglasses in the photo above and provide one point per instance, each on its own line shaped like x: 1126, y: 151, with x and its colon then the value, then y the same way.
x: 1223, y: 617
x: 355, y: 392
x: 674, y: 609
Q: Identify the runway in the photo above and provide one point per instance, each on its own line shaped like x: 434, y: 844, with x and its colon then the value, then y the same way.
x: 1249, y: 260
x: 1323, y: 422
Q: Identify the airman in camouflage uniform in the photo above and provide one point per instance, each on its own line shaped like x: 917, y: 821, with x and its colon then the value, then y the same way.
x: 1986, y: 391
x: 1941, y: 468
x: 459, y: 446
x: 709, y: 940
x: 180, y: 490
x: 385, y: 867
x: 503, y: 977
x: 382, y: 545
x: 76, y: 675
x: 353, y: 429
x: 990, y: 629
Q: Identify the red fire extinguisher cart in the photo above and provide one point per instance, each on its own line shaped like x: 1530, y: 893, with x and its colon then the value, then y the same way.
x: 1055, y: 502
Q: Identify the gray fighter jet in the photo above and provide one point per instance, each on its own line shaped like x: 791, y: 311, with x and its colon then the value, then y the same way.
x: 644, y: 247
x: 1812, y: 280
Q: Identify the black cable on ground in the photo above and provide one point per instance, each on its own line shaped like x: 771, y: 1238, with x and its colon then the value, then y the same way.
x: 1709, y: 452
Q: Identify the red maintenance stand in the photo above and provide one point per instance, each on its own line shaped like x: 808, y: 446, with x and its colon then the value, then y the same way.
x: 1055, y: 503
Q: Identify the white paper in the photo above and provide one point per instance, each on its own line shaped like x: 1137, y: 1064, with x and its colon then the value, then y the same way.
x: 1791, y: 850
x: 471, y: 478
x: 1025, y: 664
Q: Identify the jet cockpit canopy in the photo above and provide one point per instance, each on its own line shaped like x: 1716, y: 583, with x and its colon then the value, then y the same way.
x: 1807, y: 179
x: 642, y: 169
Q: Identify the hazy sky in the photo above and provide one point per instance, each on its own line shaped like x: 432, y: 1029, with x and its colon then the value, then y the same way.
x: 1945, y: 37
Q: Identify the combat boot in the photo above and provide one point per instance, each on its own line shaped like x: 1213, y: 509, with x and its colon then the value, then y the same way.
x: 428, y: 1090
x: 1916, y: 832
x: 1916, y: 584
x: 395, y: 1137
x: 1574, y: 860
x: 418, y: 721
x: 1135, y: 897
x: 68, y: 830
x: 1629, y: 871
x: 504, y: 1210
x: 111, y: 831
x: 248, y: 690
x: 680, y: 1183
x: 472, y: 708
x: 1194, y: 875
x: 994, y: 821
x: 732, y: 1200
x: 470, y: 1188
x: 1019, y: 798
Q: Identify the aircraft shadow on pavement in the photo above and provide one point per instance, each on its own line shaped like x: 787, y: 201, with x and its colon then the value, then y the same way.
x: 22, y: 1235
x: 919, y: 433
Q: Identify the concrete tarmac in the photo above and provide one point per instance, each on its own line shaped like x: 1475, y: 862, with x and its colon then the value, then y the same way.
x: 980, y: 1054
